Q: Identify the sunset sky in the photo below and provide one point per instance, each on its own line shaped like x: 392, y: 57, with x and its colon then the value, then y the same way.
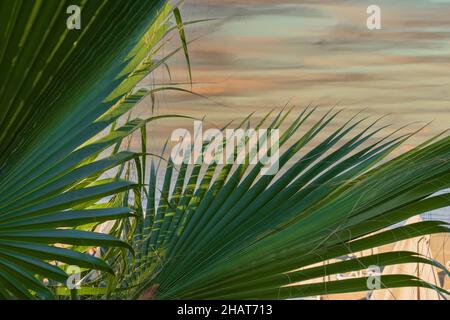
x: 261, y: 54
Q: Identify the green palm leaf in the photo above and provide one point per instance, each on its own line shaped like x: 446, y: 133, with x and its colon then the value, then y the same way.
x: 224, y: 232
x: 60, y: 91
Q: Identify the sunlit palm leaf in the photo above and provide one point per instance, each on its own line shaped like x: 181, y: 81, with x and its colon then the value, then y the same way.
x: 59, y: 89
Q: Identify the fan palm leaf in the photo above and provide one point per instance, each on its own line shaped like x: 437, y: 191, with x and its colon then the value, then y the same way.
x: 61, y: 94
x: 224, y: 232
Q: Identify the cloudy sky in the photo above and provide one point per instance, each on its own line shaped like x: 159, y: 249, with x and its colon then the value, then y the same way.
x: 260, y: 54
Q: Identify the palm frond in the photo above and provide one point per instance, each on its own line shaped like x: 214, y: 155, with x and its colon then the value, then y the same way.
x: 224, y: 232
x: 61, y: 94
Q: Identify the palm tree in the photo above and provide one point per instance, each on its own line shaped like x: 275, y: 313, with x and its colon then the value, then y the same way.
x: 225, y: 232
x: 61, y: 94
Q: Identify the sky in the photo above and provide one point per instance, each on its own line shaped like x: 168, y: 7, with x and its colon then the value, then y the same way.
x: 261, y: 54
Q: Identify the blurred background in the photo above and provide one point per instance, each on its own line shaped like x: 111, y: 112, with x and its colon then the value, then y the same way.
x: 261, y: 54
